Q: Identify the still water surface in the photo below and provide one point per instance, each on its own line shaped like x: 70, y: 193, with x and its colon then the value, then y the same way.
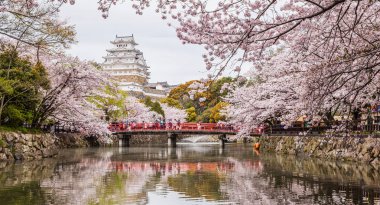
x: 189, y: 174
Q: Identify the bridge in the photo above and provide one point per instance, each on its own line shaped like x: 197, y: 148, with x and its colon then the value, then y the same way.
x: 171, y: 130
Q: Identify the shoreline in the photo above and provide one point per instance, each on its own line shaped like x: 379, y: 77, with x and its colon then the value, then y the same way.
x: 16, y: 146
x: 355, y: 149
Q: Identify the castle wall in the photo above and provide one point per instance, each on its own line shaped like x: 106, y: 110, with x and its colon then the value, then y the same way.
x: 132, y: 79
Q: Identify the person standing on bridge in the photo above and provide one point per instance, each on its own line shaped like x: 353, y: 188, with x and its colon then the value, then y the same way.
x: 170, y: 124
x: 129, y: 126
x: 126, y: 124
x: 145, y: 126
x: 157, y: 123
x: 161, y: 123
x: 176, y: 125
x: 222, y: 126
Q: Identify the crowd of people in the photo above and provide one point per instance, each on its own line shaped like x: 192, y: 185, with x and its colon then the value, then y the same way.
x: 169, y: 125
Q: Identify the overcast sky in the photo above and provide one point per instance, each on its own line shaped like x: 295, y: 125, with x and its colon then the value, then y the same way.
x: 168, y: 58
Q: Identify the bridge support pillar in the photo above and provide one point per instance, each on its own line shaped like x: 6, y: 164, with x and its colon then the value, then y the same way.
x: 222, y: 140
x: 172, y: 140
x: 124, y: 140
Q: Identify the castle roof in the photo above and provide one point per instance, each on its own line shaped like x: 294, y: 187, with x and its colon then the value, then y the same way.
x: 124, y: 39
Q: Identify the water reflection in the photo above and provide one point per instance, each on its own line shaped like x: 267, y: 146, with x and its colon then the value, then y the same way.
x: 188, y: 174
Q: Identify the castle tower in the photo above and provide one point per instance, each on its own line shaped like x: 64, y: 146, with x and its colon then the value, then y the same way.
x: 126, y: 64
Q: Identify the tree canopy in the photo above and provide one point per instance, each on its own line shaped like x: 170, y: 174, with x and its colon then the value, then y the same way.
x: 35, y: 23
x: 154, y: 106
x: 112, y: 102
x: 313, y: 58
x: 20, y: 85
x: 203, y: 101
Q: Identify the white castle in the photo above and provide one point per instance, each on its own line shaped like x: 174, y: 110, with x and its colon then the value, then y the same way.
x: 126, y: 64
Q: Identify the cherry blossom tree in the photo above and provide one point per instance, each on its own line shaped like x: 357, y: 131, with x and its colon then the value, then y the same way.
x: 137, y: 111
x: 315, y: 57
x: 72, y: 83
x: 268, y: 94
x: 293, y: 90
x: 330, y: 48
x: 35, y: 23
x: 239, y: 31
x: 172, y: 113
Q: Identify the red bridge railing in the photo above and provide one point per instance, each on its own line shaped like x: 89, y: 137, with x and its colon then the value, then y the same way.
x: 188, y: 126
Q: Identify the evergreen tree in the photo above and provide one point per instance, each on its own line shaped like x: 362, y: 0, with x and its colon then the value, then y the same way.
x: 154, y: 106
x: 20, y: 86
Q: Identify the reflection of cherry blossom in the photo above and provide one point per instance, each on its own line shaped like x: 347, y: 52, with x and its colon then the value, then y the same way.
x: 76, y: 183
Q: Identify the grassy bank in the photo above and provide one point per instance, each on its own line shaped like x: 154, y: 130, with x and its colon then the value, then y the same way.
x: 23, y: 130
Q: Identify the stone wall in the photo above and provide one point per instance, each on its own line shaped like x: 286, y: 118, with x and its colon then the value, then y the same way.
x: 132, y: 78
x: 154, y: 91
x: 71, y: 140
x: 337, y: 148
x: 17, y: 146
x: 317, y: 170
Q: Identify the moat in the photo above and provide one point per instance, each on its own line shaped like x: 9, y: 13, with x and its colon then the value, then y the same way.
x: 188, y: 174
